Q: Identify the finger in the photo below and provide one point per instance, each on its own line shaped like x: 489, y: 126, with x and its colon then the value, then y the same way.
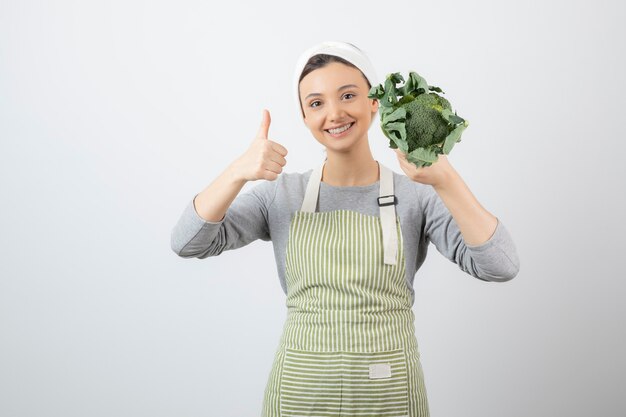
x: 273, y: 166
x: 404, y: 164
x: 408, y: 165
x: 265, y: 125
x: 277, y: 147
x: 276, y: 158
x: 279, y: 160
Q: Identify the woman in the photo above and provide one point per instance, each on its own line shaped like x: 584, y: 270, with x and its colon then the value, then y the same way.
x: 349, y: 236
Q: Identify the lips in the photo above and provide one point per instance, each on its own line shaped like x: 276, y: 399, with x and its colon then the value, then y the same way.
x: 347, y: 124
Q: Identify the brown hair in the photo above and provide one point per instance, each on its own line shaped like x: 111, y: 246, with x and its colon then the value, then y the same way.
x: 319, y: 61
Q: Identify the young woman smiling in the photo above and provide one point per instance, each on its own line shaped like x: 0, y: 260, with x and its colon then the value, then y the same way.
x: 349, y: 236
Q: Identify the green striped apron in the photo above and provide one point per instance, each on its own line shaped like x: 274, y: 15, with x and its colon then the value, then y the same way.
x: 348, y: 346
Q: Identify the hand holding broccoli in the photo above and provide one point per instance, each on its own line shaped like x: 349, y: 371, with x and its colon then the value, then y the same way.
x: 420, y: 123
x: 438, y: 174
x: 264, y: 159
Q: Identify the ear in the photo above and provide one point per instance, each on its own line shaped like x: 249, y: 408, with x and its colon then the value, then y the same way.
x: 375, y: 105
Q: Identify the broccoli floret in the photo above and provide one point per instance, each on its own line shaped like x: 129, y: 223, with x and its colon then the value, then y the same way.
x: 424, y: 124
x: 419, y: 122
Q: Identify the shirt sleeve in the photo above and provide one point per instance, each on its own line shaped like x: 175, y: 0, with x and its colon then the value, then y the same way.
x: 245, y: 221
x: 494, y: 260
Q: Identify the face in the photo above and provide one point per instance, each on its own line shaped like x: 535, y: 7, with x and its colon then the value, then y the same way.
x: 328, y: 103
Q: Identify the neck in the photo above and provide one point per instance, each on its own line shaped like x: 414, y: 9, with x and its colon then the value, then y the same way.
x: 349, y: 169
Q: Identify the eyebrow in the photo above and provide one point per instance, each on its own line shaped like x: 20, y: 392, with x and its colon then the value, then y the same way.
x: 339, y: 89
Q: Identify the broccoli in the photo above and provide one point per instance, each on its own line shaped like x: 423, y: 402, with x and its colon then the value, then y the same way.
x: 421, y: 123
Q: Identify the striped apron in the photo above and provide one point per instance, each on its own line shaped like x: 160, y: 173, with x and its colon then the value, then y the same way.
x: 348, y: 346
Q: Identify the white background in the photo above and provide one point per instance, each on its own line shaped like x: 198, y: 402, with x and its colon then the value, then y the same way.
x: 114, y: 114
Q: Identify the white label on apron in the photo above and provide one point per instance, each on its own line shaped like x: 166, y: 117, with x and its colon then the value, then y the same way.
x: 380, y: 370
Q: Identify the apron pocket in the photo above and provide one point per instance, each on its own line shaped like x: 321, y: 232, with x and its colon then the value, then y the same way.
x: 375, y: 383
x: 310, y: 382
x: 344, y: 383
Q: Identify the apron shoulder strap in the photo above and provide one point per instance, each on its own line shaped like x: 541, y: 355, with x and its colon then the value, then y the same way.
x: 387, y: 204
x: 386, y: 201
x: 312, y: 189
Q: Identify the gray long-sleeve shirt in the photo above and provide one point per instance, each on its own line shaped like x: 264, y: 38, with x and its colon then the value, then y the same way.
x: 265, y: 211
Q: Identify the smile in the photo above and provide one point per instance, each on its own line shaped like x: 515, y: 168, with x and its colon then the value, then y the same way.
x: 340, y: 131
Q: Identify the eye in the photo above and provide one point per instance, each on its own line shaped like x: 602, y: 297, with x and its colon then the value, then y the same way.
x: 317, y: 101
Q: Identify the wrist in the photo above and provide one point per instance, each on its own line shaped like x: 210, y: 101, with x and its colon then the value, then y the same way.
x: 233, y: 173
x: 448, y: 179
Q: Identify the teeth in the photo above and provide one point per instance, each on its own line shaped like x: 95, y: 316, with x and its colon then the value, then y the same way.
x: 340, y: 129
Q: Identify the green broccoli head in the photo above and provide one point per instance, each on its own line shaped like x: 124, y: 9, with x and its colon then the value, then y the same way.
x: 421, y: 123
x: 424, y: 124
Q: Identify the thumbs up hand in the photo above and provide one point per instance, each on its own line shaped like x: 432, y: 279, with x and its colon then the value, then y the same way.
x: 264, y: 159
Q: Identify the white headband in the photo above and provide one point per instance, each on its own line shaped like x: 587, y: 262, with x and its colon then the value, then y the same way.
x: 343, y: 50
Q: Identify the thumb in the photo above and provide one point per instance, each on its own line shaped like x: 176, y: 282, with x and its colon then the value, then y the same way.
x: 265, y: 125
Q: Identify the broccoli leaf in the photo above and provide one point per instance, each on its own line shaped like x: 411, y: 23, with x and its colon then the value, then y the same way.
x: 398, y: 114
x: 453, y: 137
x: 415, y: 84
x: 422, y: 154
x: 456, y: 119
x: 396, y: 78
x: 390, y: 98
x: 396, y: 131
x: 376, y: 92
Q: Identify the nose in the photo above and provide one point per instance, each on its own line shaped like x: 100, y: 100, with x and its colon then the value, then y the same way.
x: 336, y: 112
